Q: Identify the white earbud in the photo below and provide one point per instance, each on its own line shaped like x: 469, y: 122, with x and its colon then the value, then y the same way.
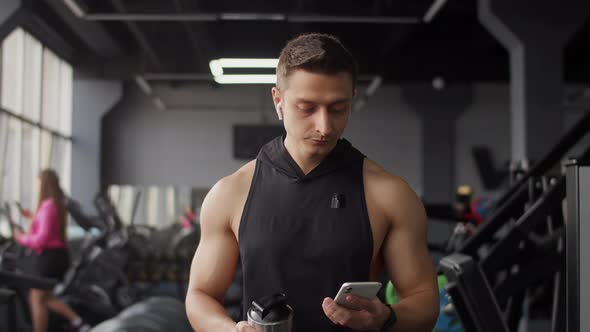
x: 279, y: 111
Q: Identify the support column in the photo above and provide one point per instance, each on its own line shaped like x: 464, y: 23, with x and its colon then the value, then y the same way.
x: 439, y: 109
x: 92, y: 99
x: 534, y: 32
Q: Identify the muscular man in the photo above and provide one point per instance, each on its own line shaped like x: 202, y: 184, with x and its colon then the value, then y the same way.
x: 311, y: 212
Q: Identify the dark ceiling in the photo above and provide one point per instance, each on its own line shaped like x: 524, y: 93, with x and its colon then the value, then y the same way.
x: 453, y: 45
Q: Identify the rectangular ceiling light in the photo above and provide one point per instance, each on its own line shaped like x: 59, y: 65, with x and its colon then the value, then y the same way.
x: 246, y: 79
x: 248, y: 63
x: 217, y: 66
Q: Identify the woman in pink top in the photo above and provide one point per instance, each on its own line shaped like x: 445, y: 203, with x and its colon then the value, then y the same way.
x: 47, y: 238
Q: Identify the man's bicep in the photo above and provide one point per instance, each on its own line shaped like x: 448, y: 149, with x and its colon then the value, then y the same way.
x: 215, y: 260
x: 405, y: 251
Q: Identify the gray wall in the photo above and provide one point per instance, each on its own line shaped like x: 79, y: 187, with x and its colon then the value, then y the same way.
x: 148, y: 146
x: 485, y: 122
x: 191, y: 144
x: 390, y: 133
x: 92, y: 98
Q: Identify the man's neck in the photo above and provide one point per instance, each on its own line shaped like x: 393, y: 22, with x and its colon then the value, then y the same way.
x: 305, y: 162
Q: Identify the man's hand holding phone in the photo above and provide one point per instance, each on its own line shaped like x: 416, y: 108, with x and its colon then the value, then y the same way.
x: 368, y: 315
x: 357, y: 307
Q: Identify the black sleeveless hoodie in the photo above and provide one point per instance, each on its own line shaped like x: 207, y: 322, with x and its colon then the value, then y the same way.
x: 305, y: 235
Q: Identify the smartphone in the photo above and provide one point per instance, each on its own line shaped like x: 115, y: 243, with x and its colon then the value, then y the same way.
x: 366, y: 289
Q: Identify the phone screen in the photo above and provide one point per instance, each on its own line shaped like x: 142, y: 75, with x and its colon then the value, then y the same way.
x: 366, y: 290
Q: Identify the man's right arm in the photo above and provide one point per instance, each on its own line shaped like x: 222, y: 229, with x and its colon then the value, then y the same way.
x: 214, y: 263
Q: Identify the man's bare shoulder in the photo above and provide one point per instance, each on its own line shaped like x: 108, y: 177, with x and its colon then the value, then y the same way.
x: 236, y: 183
x: 241, y: 179
x: 378, y: 176
x: 229, y: 193
x: 391, y: 193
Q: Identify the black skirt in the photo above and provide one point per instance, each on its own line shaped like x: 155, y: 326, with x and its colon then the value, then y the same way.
x: 51, y: 263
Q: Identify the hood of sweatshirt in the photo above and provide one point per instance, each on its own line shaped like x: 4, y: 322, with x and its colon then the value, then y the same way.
x: 276, y: 155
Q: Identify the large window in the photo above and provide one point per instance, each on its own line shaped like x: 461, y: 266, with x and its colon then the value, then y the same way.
x: 155, y: 206
x: 35, y: 118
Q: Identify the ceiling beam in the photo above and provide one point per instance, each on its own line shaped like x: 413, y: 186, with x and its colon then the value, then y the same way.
x: 433, y: 10
x: 81, y: 11
x: 92, y: 34
x: 397, y: 37
x: 139, y: 37
x: 276, y: 17
x: 35, y: 24
x: 301, y: 6
x: 196, y: 45
x: 185, y: 76
x: 377, y: 7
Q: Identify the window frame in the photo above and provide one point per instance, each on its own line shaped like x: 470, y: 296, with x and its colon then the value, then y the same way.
x: 22, y: 61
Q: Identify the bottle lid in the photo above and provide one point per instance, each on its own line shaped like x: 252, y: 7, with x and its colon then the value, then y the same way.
x: 271, y: 309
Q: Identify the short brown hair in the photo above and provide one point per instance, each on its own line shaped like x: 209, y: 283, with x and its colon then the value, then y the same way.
x: 316, y: 53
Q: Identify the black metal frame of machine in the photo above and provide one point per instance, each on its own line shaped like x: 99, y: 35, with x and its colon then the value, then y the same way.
x: 519, y: 247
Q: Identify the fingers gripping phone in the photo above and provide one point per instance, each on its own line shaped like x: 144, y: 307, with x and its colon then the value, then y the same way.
x: 366, y: 289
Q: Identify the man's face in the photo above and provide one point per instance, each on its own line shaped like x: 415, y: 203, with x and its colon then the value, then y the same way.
x: 315, y: 109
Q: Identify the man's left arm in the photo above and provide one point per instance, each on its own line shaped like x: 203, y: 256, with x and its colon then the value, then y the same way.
x: 408, y: 262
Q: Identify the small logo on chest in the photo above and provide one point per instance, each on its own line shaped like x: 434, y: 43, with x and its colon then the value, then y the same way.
x: 338, y: 201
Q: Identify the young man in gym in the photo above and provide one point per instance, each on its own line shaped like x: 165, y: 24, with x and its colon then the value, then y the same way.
x: 311, y: 212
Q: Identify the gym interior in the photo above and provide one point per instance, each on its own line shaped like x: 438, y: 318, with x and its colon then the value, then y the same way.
x: 141, y: 107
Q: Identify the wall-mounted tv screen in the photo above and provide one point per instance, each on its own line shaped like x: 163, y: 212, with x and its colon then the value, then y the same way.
x: 248, y: 139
